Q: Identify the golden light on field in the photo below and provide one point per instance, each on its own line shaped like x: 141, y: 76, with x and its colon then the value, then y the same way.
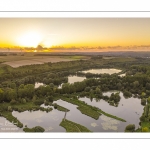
x: 30, y: 39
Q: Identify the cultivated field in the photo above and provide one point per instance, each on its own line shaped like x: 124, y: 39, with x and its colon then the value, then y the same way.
x: 17, y: 61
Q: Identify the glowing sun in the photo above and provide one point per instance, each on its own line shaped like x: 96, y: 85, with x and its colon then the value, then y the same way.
x: 31, y: 39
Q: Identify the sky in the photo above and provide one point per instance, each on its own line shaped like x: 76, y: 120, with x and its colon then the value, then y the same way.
x: 75, y: 32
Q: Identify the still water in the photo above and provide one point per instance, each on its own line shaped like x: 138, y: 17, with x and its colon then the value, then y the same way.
x: 102, y: 71
x: 38, y: 84
x: 128, y: 109
x: 49, y: 121
x: 72, y: 79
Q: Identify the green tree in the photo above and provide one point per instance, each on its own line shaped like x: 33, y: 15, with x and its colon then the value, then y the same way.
x: 136, y: 84
x: 1, y: 95
x: 98, y: 91
x: 148, y: 99
x: 148, y: 86
x: 142, y: 118
x: 50, y: 99
x: 29, y: 90
x: 143, y: 94
x: 127, y: 93
x: 143, y: 101
x: 10, y: 94
x: 87, y: 89
x: 145, y: 129
x: 13, y: 101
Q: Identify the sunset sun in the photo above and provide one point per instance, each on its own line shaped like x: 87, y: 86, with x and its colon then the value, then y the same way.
x: 30, y: 39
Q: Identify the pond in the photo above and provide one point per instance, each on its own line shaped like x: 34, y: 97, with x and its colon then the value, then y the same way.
x: 38, y: 84
x: 102, y: 71
x: 122, y: 75
x: 129, y: 109
x: 75, y: 78
x: 94, y: 125
x: 49, y: 121
x: 72, y: 79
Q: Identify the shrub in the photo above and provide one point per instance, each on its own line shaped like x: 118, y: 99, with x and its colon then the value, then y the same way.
x: 13, y: 102
x: 38, y: 102
x: 23, y: 101
x: 142, y: 118
x: 55, y: 106
x: 148, y: 100
x: 145, y: 129
x: 87, y: 89
x: 106, y: 97
x: 143, y: 101
x: 146, y: 110
x: 127, y: 94
x: 9, y: 108
x: 130, y: 128
x: 34, y: 129
x: 50, y: 98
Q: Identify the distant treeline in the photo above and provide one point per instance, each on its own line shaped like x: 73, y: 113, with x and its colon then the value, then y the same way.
x: 46, y: 54
x: 2, y: 54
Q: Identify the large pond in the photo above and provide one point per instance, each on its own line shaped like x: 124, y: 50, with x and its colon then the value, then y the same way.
x: 102, y: 71
x: 49, y: 121
x: 129, y: 109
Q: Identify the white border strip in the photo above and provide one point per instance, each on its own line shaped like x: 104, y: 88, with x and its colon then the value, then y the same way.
x: 56, y: 135
x: 74, y: 15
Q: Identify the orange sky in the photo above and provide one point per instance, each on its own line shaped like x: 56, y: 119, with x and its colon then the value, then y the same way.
x: 78, y: 32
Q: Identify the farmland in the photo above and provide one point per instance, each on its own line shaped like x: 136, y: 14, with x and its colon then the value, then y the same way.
x: 22, y: 59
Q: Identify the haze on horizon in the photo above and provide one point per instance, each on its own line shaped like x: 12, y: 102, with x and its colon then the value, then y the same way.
x: 93, y: 33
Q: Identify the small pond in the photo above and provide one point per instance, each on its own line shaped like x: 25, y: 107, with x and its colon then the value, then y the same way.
x: 122, y: 75
x: 72, y: 79
x: 38, y: 84
x: 102, y: 71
